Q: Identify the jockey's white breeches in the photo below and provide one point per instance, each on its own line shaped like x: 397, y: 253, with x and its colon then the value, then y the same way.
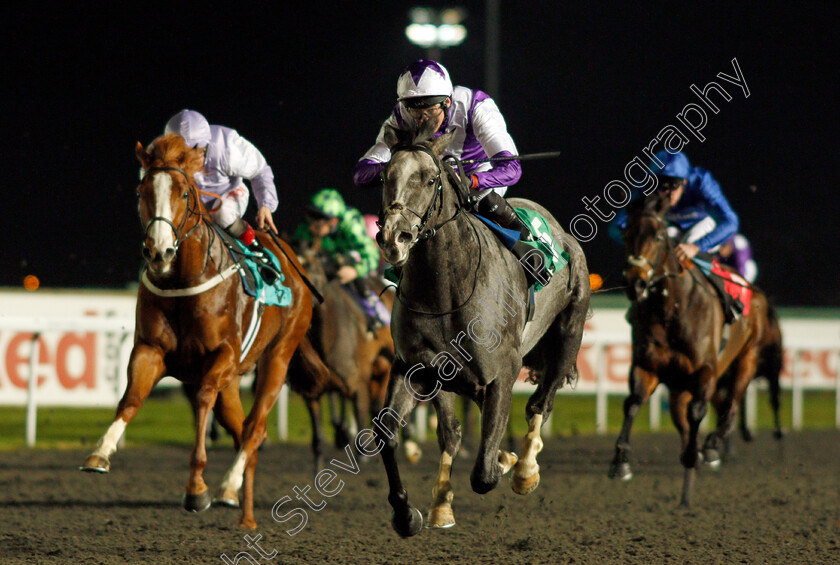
x: 231, y: 207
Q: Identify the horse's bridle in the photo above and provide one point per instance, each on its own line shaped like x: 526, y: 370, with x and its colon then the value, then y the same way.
x: 652, y: 279
x: 179, y: 238
x: 422, y: 232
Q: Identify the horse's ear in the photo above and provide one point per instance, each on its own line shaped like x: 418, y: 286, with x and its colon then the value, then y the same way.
x: 142, y: 156
x: 392, y: 137
x: 442, y: 142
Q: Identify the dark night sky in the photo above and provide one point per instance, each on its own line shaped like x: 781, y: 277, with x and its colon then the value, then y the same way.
x: 310, y: 89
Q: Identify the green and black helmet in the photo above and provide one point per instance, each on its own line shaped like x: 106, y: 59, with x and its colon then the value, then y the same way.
x: 326, y: 204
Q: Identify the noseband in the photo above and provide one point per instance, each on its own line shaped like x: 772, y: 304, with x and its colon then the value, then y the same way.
x: 661, y: 255
x: 179, y: 238
x: 422, y: 232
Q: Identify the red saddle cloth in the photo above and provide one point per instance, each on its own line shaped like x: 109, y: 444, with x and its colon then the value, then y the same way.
x: 735, y: 285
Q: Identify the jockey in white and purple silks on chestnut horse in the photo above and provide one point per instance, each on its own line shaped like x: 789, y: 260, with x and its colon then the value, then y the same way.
x: 229, y: 160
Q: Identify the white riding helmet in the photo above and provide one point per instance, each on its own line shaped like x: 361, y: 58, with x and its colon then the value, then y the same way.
x: 192, y: 126
x: 424, y: 79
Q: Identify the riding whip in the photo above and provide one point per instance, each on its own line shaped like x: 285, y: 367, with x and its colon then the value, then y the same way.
x: 546, y: 155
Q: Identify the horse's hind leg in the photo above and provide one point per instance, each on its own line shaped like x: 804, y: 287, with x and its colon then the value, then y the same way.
x: 145, y: 369
x: 449, y: 440
x: 229, y: 413
x: 727, y: 407
x: 642, y: 385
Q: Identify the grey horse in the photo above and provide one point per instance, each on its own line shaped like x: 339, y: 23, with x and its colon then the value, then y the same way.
x: 460, y: 326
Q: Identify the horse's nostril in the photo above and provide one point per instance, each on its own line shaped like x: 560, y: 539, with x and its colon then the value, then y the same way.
x: 404, y: 237
x: 147, y: 253
x: 169, y: 253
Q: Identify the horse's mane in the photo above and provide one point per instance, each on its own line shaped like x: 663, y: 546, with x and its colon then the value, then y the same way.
x: 171, y: 150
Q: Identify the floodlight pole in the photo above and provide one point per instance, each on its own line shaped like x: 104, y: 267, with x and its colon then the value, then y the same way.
x: 491, y: 49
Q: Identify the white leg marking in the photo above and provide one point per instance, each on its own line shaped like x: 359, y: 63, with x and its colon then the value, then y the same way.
x: 234, y: 476
x: 531, y: 446
x: 108, y: 443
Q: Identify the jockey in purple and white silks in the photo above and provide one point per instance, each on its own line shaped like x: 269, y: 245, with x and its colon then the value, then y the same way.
x: 229, y: 160
x: 425, y: 94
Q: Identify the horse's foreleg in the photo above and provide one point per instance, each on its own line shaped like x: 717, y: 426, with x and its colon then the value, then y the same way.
x: 197, y: 497
x: 491, y: 463
x: 449, y: 440
x: 271, y: 374
x: 145, y: 369
x: 338, y: 417
x: 406, y: 520
x: 314, y: 408
x: 695, y: 407
x: 642, y: 385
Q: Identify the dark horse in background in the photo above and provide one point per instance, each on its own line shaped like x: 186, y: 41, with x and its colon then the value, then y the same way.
x: 459, y: 326
x: 678, y: 339
x: 191, y: 317
x: 340, y: 336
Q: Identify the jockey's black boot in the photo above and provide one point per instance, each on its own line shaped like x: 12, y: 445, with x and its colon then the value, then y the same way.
x: 500, y: 211
x: 247, y: 236
x: 267, y: 271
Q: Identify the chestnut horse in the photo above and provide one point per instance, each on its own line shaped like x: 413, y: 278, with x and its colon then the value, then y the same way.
x: 191, y: 317
x: 677, y: 339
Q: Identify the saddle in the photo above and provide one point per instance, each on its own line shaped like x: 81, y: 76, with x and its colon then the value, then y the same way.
x: 734, y: 291
x: 275, y: 294
x: 542, y: 245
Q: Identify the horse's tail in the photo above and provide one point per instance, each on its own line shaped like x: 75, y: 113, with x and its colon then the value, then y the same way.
x: 309, y: 376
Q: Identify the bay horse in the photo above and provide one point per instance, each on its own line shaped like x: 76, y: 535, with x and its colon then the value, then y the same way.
x: 459, y: 326
x: 340, y: 336
x: 191, y: 317
x: 678, y: 339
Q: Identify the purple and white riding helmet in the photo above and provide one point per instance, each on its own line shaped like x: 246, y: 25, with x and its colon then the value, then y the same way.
x: 424, y: 79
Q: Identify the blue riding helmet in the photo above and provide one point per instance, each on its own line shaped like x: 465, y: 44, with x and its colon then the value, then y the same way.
x: 676, y: 165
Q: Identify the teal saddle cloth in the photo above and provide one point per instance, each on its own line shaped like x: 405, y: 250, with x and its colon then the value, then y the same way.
x: 276, y: 294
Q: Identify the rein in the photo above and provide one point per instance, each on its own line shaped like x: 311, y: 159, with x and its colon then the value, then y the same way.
x: 193, y: 208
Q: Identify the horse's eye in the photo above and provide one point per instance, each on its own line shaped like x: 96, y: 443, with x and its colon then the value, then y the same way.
x: 186, y: 195
x: 431, y: 181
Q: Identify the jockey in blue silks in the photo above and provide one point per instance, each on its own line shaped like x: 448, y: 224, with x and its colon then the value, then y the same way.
x: 700, y: 217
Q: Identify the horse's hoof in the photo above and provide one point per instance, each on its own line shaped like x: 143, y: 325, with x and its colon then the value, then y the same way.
x: 197, y: 502
x: 441, y: 518
x: 249, y: 523
x: 525, y: 485
x: 507, y: 460
x: 621, y: 471
x: 711, y: 458
x: 227, y: 498
x: 412, y: 527
x: 412, y: 452
x: 778, y: 434
x: 96, y: 464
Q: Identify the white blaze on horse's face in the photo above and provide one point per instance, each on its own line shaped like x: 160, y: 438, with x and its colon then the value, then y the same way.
x: 159, y: 246
x: 410, y: 182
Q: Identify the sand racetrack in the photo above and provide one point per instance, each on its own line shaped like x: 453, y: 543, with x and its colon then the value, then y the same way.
x: 773, y: 502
